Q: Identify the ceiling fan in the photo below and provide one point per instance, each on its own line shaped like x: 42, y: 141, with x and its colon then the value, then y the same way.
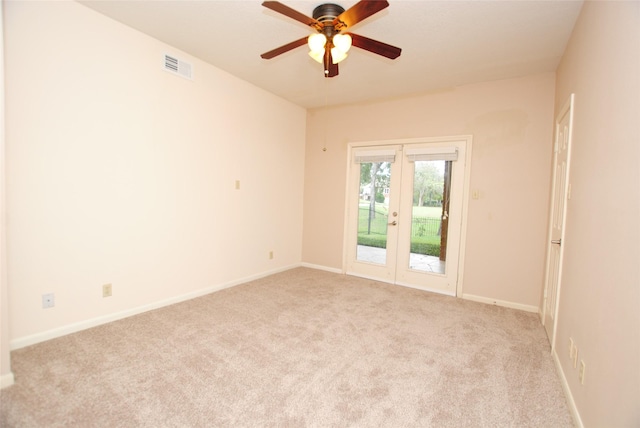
x: 330, y: 43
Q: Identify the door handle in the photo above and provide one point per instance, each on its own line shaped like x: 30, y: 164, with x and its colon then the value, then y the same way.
x: 556, y: 241
x: 393, y: 223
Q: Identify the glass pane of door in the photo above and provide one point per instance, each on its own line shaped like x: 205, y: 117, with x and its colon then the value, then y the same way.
x: 430, y: 216
x: 373, y: 212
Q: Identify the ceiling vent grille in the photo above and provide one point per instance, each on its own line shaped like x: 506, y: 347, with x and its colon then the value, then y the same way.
x: 178, y: 66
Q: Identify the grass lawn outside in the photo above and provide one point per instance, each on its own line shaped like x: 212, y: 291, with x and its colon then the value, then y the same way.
x: 424, y: 237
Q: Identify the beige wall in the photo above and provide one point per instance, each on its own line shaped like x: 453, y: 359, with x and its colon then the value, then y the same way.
x: 6, y: 376
x: 600, y: 295
x: 512, y: 125
x: 119, y: 172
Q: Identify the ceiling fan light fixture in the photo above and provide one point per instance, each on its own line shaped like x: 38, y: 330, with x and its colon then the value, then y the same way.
x: 337, y: 55
x: 316, y: 42
x: 342, y: 42
x: 317, y: 55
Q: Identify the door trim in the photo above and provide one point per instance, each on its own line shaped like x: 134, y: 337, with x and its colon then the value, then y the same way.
x: 467, y: 140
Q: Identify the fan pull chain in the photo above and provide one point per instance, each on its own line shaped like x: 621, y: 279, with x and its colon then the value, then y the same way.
x: 326, y: 89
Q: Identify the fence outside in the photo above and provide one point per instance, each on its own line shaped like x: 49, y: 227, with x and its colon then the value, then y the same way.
x: 425, y: 226
x: 420, y: 226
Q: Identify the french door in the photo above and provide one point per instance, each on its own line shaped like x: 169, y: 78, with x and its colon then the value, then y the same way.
x: 405, y: 213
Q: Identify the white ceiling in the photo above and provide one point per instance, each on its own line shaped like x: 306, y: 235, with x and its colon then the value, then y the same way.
x: 444, y: 43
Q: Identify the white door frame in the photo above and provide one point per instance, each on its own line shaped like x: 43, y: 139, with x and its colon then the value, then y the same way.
x: 567, y: 109
x: 467, y: 141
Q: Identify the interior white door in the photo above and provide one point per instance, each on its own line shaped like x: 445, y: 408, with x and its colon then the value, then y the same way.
x: 557, y: 218
x: 405, y: 212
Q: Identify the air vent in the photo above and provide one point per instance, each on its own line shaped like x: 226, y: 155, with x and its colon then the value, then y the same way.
x: 177, y: 66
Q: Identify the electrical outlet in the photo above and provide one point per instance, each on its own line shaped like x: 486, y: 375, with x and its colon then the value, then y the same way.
x: 48, y: 301
x: 571, y: 347
x: 270, y: 255
x: 106, y: 290
x: 581, y: 372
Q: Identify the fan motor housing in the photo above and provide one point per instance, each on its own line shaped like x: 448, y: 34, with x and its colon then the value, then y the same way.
x: 327, y: 12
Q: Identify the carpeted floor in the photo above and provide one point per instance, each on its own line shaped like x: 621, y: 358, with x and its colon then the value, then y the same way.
x: 300, y: 348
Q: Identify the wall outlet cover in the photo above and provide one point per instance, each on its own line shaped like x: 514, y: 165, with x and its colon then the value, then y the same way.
x: 48, y: 300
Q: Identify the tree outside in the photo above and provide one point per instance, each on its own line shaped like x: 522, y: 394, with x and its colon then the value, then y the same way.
x: 427, y: 185
x: 427, y: 203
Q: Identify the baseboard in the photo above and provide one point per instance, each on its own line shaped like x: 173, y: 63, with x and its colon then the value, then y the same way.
x: 320, y: 267
x: 512, y: 305
x: 504, y: 303
x: 6, y: 380
x: 567, y: 392
x: 94, y: 322
x: 428, y: 289
x: 371, y: 277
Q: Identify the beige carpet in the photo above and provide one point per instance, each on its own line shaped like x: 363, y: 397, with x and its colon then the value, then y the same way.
x: 300, y: 348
